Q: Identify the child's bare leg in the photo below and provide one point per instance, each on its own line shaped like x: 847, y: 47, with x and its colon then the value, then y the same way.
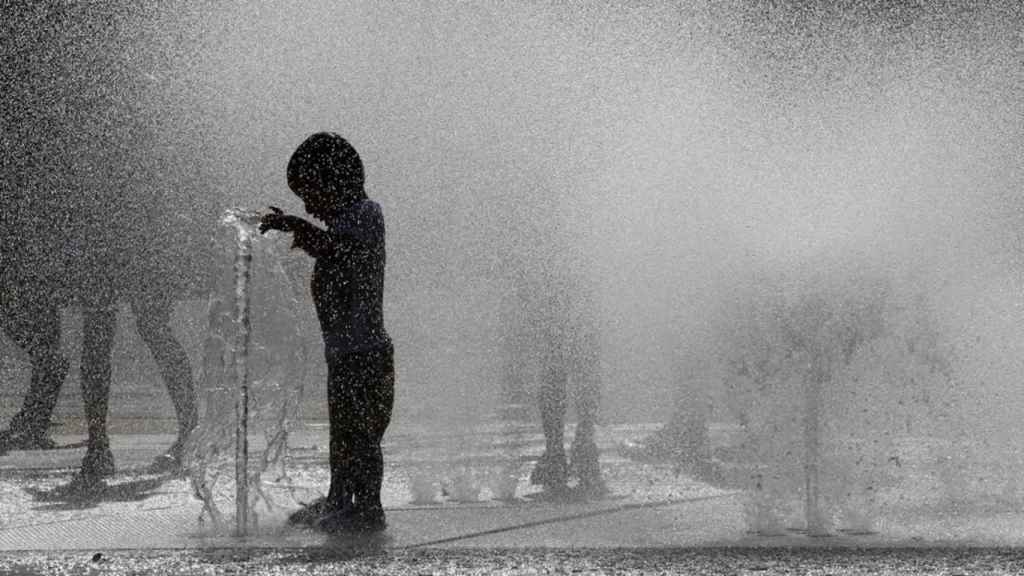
x: 367, y: 397
x: 343, y: 419
x: 378, y: 401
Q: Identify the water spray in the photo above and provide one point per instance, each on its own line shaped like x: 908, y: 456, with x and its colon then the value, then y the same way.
x: 244, y: 222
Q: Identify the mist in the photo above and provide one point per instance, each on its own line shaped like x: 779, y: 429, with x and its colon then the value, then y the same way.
x: 668, y: 154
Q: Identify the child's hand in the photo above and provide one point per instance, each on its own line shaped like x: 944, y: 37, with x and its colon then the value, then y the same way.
x: 278, y: 220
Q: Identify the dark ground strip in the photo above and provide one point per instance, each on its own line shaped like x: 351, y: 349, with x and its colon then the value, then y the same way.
x: 727, y: 560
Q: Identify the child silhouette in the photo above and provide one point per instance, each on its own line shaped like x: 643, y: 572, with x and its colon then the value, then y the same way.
x: 326, y: 173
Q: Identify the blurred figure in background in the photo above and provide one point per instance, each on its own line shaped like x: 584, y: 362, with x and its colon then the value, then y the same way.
x: 99, y: 210
x: 124, y: 253
x: 109, y: 253
x: 33, y: 324
x: 569, y: 369
x: 556, y: 329
x: 553, y: 343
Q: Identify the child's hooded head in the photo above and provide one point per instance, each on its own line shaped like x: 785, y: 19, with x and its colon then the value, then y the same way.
x: 326, y: 173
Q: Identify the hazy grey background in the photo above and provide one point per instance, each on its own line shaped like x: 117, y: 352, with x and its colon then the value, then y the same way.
x: 668, y: 151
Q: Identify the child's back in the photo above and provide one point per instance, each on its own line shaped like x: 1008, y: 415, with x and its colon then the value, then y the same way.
x: 348, y: 282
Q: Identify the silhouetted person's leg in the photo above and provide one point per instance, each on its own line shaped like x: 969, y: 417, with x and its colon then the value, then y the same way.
x: 585, y: 456
x: 99, y: 325
x: 343, y: 419
x: 362, y: 389
x: 153, y: 318
x: 378, y: 398
x: 35, y: 328
x: 552, y: 470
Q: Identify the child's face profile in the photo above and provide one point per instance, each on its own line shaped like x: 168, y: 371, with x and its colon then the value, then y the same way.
x: 312, y: 196
x: 315, y: 209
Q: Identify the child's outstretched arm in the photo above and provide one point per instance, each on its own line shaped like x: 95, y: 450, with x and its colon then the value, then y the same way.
x: 317, y: 242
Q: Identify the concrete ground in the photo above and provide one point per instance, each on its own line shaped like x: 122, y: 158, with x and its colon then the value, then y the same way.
x: 524, y: 561
x: 655, y: 520
x: 650, y: 505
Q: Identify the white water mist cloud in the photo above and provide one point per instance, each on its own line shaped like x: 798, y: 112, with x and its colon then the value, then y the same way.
x: 673, y: 150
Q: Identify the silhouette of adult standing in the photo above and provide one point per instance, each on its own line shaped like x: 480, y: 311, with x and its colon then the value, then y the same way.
x: 106, y: 258
x: 32, y: 321
x: 553, y: 328
x: 561, y: 322
x: 118, y: 253
x: 31, y: 219
x: 90, y: 190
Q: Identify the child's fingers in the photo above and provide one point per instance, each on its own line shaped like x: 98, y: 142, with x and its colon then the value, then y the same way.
x: 270, y: 222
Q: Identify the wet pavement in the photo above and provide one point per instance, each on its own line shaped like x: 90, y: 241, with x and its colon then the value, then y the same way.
x: 656, y: 518
x: 139, y: 510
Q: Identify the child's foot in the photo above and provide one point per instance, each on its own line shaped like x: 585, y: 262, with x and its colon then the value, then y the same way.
x: 365, y: 521
x: 309, y: 513
x: 551, y: 472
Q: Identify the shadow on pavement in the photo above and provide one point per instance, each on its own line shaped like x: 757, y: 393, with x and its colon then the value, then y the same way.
x: 76, y: 495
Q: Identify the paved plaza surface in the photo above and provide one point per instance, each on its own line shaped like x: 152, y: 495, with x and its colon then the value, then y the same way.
x: 650, y: 505
x: 656, y: 519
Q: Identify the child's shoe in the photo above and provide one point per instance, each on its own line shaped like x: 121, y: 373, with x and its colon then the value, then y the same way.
x: 370, y: 521
x: 310, y: 513
x: 366, y: 521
